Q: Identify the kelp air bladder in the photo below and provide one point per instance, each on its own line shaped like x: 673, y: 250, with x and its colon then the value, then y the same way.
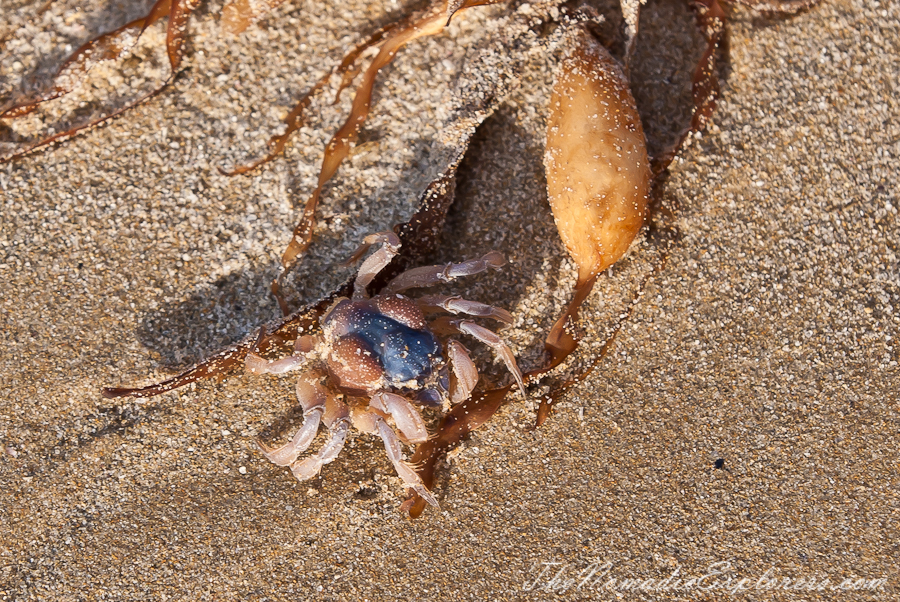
x: 598, y: 172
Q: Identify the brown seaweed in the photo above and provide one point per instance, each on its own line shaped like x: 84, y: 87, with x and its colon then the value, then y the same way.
x: 296, y: 118
x: 563, y: 340
x: 237, y: 16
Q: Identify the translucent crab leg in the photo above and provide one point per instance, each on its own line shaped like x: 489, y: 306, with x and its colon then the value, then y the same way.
x: 374, y: 263
x: 313, y: 398
x: 434, y: 274
x: 492, y: 340
x: 288, y: 453
x: 260, y: 365
x: 407, y: 418
x: 458, y: 305
x: 464, y: 372
x: 338, y: 422
x: 404, y: 470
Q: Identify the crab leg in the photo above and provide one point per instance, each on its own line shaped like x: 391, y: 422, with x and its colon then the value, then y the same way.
x: 372, y: 422
x: 312, y: 398
x: 404, y: 470
x: 377, y: 261
x: 259, y: 365
x: 492, y: 340
x: 458, y: 305
x: 256, y: 364
x: 406, y: 417
x: 465, y: 374
x: 338, y: 422
x: 434, y: 274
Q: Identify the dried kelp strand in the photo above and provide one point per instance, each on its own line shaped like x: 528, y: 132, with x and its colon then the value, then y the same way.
x: 103, y: 48
x: 297, y: 117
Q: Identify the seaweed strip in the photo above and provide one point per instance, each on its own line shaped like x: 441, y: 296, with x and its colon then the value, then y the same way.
x: 295, y: 119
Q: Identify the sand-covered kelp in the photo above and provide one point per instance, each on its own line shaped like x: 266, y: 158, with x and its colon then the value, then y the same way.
x: 598, y: 172
x: 428, y: 23
x: 602, y: 184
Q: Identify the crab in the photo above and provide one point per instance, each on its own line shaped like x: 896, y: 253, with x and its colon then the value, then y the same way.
x: 378, y: 357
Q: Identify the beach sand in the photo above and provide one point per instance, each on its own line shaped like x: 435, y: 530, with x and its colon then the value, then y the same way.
x: 743, y: 426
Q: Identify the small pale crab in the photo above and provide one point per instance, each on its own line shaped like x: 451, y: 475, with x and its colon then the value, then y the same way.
x: 378, y: 357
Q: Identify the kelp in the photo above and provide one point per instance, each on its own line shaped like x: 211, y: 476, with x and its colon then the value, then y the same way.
x: 428, y: 23
x: 297, y: 117
x: 239, y: 15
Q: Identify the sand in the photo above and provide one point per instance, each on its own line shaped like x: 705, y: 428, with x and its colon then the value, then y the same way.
x: 743, y: 427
